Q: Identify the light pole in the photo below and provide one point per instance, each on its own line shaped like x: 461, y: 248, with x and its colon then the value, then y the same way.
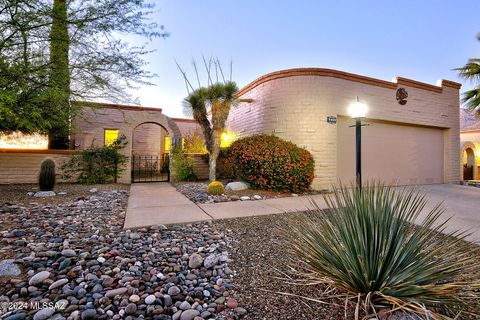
x: 357, y: 111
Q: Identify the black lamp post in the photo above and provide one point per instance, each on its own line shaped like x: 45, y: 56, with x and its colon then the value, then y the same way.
x: 358, y: 111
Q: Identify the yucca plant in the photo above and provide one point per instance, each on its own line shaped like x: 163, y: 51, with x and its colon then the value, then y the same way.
x: 367, y: 247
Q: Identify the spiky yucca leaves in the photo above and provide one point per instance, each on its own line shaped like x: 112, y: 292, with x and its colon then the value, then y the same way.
x: 366, y: 245
x: 218, y: 98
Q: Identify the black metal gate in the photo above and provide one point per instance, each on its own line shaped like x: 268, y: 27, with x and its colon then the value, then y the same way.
x: 150, y: 168
x: 467, y: 172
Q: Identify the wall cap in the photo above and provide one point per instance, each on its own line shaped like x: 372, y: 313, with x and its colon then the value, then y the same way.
x: 322, y: 72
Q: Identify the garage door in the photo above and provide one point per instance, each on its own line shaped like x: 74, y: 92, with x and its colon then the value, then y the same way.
x: 395, y: 153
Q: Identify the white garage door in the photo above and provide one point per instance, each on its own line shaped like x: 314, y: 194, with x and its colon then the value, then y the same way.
x: 394, y: 153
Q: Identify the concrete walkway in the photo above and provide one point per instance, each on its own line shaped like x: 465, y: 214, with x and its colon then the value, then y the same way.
x: 159, y: 203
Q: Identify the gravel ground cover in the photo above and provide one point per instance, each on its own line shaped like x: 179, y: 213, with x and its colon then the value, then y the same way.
x: 197, y: 192
x: 268, y: 287
x: 77, y: 262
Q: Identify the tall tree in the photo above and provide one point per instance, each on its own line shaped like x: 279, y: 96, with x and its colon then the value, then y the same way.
x: 210, y: 107
x: 34, y: 38
x: 471, y: 71
x: 59, y: 102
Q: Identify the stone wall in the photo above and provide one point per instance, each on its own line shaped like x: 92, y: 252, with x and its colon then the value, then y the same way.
x: 23, y: 166
x: 294, y: 105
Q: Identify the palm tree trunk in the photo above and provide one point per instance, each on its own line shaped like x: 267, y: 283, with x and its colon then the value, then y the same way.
x: 212, y: 163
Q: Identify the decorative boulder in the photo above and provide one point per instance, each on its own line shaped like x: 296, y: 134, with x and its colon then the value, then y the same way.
x: 237, y: 186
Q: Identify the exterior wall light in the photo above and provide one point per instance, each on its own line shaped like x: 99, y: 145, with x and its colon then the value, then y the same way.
x: 358, y: 110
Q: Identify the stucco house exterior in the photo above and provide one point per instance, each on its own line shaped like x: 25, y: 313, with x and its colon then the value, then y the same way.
x: 413, y: 132
x: 470, y: 145
x: 148, y: 131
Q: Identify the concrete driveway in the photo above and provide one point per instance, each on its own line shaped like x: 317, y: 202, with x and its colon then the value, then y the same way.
x: 461, y: 203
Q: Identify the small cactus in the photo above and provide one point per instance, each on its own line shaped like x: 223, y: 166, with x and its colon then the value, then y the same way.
x: 46, y: 179
x: 215, y: 188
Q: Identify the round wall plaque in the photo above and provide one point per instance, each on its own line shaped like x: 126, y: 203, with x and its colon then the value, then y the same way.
x: 402, y: 96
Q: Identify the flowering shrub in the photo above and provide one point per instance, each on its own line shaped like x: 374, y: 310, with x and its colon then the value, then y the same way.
x: 268, y: 162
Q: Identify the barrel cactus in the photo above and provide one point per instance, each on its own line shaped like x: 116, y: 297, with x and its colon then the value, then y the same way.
x: 215, y: 188
x: 46, y: 179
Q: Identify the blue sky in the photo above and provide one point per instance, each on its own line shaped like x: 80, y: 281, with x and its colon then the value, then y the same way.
x: 422, y: 40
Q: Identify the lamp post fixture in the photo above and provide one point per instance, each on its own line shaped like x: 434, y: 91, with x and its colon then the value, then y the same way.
x: 357, y: 111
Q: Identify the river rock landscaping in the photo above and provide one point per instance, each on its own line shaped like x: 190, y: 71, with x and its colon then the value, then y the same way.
x: 77, y: 262
x: 197, y: 192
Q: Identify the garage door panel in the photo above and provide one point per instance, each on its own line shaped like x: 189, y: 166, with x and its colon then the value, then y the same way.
x: 394, y: 153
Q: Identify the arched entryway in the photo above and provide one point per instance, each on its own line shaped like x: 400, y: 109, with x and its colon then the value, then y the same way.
x: 150, y: 153
x: 468, y: 164
x: 136, y: 121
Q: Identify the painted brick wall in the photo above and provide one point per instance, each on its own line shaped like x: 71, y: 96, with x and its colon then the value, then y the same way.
x: 295, y: 107
x: 24, y: 166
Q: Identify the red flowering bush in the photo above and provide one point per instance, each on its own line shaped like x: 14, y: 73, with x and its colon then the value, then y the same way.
x: 268, y: 162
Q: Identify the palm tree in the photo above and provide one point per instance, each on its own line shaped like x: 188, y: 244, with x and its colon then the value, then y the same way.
x: 471, y: 71
x: 210, y: 107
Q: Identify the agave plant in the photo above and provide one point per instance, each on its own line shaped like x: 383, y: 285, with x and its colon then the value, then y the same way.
x: 367, y: 247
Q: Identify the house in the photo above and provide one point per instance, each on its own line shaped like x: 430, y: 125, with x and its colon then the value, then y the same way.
x: 470, y: 145
x: 412, y: 132
x: 412, y: 135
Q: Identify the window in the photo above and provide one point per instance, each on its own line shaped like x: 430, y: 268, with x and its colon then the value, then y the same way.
x: 110, y: 136
x: 167, y: 144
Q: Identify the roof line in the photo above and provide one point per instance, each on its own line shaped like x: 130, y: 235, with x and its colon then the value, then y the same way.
x: 346, y: 76
x: 117, y: 106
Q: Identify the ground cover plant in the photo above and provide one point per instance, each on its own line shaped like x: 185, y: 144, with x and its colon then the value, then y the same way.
x: 366, y: 247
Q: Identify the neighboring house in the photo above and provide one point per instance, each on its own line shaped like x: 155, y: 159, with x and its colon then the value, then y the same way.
x: 412, y: 137
x: 470, y: 144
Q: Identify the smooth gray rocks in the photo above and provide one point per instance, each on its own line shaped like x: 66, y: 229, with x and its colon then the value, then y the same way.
x: 44, y: 314
x: 9, y: 269
x: 189, y: 314
x: 210, y: 261
x: 58, y: 283
x: 195, y: 261
x: 245, y: 198
x: 150, y: 299
x: 257, y: 197
x: 89, y: 314
x: 173, y: 291
x: 69, y: 253
x: 115, y: 292
x: 39, y: 278
x: 44, y: 194
x: 237, y: 186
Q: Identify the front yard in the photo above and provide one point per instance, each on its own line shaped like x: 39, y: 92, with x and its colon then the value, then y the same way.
x: 75, y: 261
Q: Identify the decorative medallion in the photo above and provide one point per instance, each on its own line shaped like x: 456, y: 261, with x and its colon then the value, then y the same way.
x: 402, y: 96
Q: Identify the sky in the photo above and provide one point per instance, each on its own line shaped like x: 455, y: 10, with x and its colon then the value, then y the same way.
x: 421, y: 40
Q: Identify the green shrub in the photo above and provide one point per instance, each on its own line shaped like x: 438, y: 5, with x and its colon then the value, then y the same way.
x: 97, y: 165
x: 268, y: 162
x: 46, y: 178
x: 215, y: 188
x: 183, y: 166
x: 225, y: 164
x: 193, y: 142
x: 367, y: 247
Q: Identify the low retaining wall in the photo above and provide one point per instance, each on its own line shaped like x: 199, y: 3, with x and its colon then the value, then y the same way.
x: 23, y: 166
x: 201, y: 167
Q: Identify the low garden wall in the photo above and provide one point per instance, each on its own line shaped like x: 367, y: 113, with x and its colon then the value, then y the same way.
x: 201, y: 167
x: 23, y: 166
